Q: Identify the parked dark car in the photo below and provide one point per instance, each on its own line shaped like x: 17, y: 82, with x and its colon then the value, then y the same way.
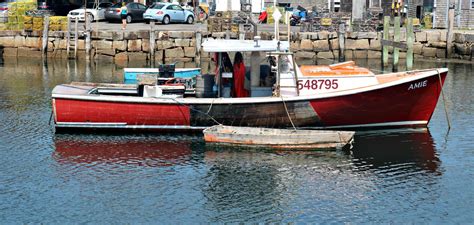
x: 135, y: 12
x: 58, y: 7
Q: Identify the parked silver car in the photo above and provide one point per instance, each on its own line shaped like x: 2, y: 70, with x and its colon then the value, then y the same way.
x: 168, y: 13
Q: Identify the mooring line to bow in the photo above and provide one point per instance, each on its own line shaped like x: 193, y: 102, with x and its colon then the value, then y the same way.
x: 444, y: 100
x: 287, y: 113
x: 50, y: 118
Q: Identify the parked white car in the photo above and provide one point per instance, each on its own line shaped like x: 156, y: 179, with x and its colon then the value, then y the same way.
x: 93, y: 12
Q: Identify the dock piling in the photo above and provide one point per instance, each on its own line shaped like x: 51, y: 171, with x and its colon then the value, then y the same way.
x: 449, y: 34
x: 152, y: 41
x: 76, y: 36
x: 342, y: 41
x: 68, y: 36
x: 386, y: 36
x: 410, y: 40
x: 396, y: 38
x: 44, y: 47
x: 198, y: 49
x: 88, y: 27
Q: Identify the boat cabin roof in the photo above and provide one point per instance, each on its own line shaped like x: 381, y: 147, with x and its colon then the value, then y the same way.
x: 221, y: 45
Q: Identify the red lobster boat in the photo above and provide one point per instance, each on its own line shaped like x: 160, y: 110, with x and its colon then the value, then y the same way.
x: 308, y: 97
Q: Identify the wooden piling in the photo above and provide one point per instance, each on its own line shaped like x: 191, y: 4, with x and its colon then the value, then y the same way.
x: 386, y: 36
x: 410, y: 40
x: 152, y: 40
x: 449, y: 34
x: 396, y: 38
x: 197, y: 60
x: 44, y: 48
x: 88, y: 26
x: 76, y: 36
x: 68, y: 36
x: 342, y: 41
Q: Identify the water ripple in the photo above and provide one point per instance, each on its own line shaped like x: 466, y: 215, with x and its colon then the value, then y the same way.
x: 395, y: 176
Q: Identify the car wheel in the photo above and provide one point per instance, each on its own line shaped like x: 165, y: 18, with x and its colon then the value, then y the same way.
x: 190, y: 20
x: 166, y: 20
x: 129, y: 18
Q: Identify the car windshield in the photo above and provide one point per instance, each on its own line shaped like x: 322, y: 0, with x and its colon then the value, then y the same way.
x: 157, y: 6
x: 90, y: 5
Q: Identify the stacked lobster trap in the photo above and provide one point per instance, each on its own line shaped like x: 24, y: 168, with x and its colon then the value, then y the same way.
x: 329, y: 21
x: 325, y: 22
x: 14, y: 20
x: 222, y: 22
x: 23, y: 15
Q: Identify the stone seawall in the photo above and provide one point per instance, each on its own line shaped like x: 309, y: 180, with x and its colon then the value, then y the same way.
x: 181, y: 46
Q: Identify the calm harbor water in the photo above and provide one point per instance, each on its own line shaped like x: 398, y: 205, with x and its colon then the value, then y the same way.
x: 422, y: 175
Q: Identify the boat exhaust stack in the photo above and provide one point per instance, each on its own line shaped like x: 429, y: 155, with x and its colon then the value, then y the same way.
x: 256, y: 39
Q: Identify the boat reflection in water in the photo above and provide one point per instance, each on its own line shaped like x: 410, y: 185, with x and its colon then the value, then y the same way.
x: 131, y: 150
x: 380, y: 164
x: 407, y: 148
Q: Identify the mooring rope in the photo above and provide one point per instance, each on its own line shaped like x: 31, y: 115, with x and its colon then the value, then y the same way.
x: 50, y: 118
x: 444, y: 100
x: 210, y: 107
x: 287, y: 113
x: 192, y: 109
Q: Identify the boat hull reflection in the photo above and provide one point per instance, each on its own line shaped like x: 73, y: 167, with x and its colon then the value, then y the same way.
x: 148, y: 152
x: 376, y: 150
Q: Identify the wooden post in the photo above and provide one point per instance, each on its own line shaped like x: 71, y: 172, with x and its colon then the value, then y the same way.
x: 219, y: 75
x: 288, y: 16
x: 396, y: 38
x: 68, y: 36
x: 410, y: 39
x: 386, y: 36
x: 152, y: 40
x: 76, y: 36
x: 198, y: 49
x: 449, y: 34
x: 44, y: 48
x: 342, y: 41
x: 88, y: 26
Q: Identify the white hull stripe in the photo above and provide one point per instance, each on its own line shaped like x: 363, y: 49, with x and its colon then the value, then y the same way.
x: 183, y: 127
x: 124, y: 126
